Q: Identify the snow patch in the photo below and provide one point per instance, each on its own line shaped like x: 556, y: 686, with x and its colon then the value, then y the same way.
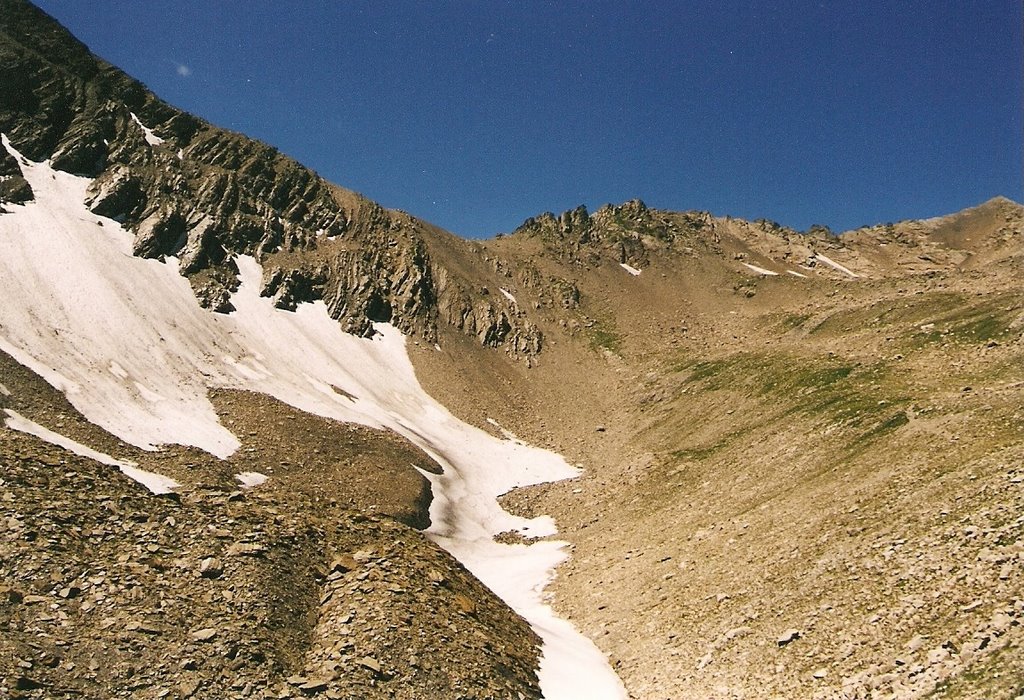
x: 102, y: 304
x: 4, y: 391
x: 251, y: 479
x: 151, y: 138
x: 508, y: 295
x: 833, y: 264
x: 507, y: 434
x: 630, y: 269
x: 156, y: 483
x: 797, y: 274
x: 761, y: 270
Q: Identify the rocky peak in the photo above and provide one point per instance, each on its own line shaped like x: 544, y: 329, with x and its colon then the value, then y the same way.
x: 204, y: 195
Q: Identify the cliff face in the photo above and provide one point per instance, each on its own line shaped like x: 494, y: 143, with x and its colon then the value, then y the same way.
x: 203, y: 195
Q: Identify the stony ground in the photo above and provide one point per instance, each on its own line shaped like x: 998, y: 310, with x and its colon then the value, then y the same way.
x: 309, y: 585
x: 793, y: 489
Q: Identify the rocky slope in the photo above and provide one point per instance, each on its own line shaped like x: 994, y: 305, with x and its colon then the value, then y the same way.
x: 797, y: 485
x: 202, y: 194
x: 293, y: 589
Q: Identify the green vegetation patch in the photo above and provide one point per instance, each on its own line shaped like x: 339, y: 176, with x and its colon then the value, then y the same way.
x: 603, y: 335
x: 791, y: 321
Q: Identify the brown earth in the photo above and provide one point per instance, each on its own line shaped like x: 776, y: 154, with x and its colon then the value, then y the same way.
x: 309, y: 585
x: 832, y: 456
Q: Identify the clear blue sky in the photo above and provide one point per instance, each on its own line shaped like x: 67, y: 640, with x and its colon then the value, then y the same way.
x: 477, y: 114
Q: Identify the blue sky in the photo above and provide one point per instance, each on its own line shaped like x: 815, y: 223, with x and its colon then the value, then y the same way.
x: 478, y: 114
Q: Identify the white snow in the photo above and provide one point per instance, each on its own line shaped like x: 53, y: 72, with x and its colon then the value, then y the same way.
x: 251, y: 479
x: 151, y: 138
x: 630, y: 269
x: 505, y: 433
x: 4, y: 390
x: 72, y: 291
x: 508, y: 295
x: 797, y: 274
x: 833, y: 264
x: 761, y: 270
x: 156, y: 483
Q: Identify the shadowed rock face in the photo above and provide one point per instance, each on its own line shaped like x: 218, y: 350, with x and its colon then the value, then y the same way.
x: 203, y: 195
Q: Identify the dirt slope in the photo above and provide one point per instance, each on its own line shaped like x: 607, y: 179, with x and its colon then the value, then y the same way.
x: 795, y: 487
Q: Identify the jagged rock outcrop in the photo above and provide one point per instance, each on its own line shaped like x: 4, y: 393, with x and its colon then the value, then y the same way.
x: 13, y: 187
x: 204, y: 195
x: 628, y: 233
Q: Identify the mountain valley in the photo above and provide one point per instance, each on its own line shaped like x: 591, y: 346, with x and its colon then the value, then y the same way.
x: 798, y: 457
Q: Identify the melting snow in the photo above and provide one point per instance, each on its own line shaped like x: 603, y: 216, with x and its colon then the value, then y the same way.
x: 761, y: 270
x: 74, y: 288
x: 251, y: 479
x: 151, y: 138
x: 4, y: 390
x: 508, y: 295
x: 833, y: 264
x: 630, y: 269
x: 156, y: 483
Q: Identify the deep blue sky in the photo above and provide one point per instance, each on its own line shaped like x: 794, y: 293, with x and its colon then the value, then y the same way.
x: 477, y: 114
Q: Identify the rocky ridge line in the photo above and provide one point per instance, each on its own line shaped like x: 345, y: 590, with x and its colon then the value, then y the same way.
x: 202, y: 194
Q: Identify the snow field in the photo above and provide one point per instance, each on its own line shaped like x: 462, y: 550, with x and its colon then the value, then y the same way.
x: 126, y: 341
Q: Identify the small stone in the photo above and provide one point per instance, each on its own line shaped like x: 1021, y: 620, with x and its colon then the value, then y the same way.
x: 370, y: 663
x: 244, y: 549
x: 915, y: 643
x: 1000, y: 622
x: 211, y: 567
x: 315, y: 686
x: 344, y: 563
x: 788, y: 636
x: 465, y: 604
x: 205, y: 634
